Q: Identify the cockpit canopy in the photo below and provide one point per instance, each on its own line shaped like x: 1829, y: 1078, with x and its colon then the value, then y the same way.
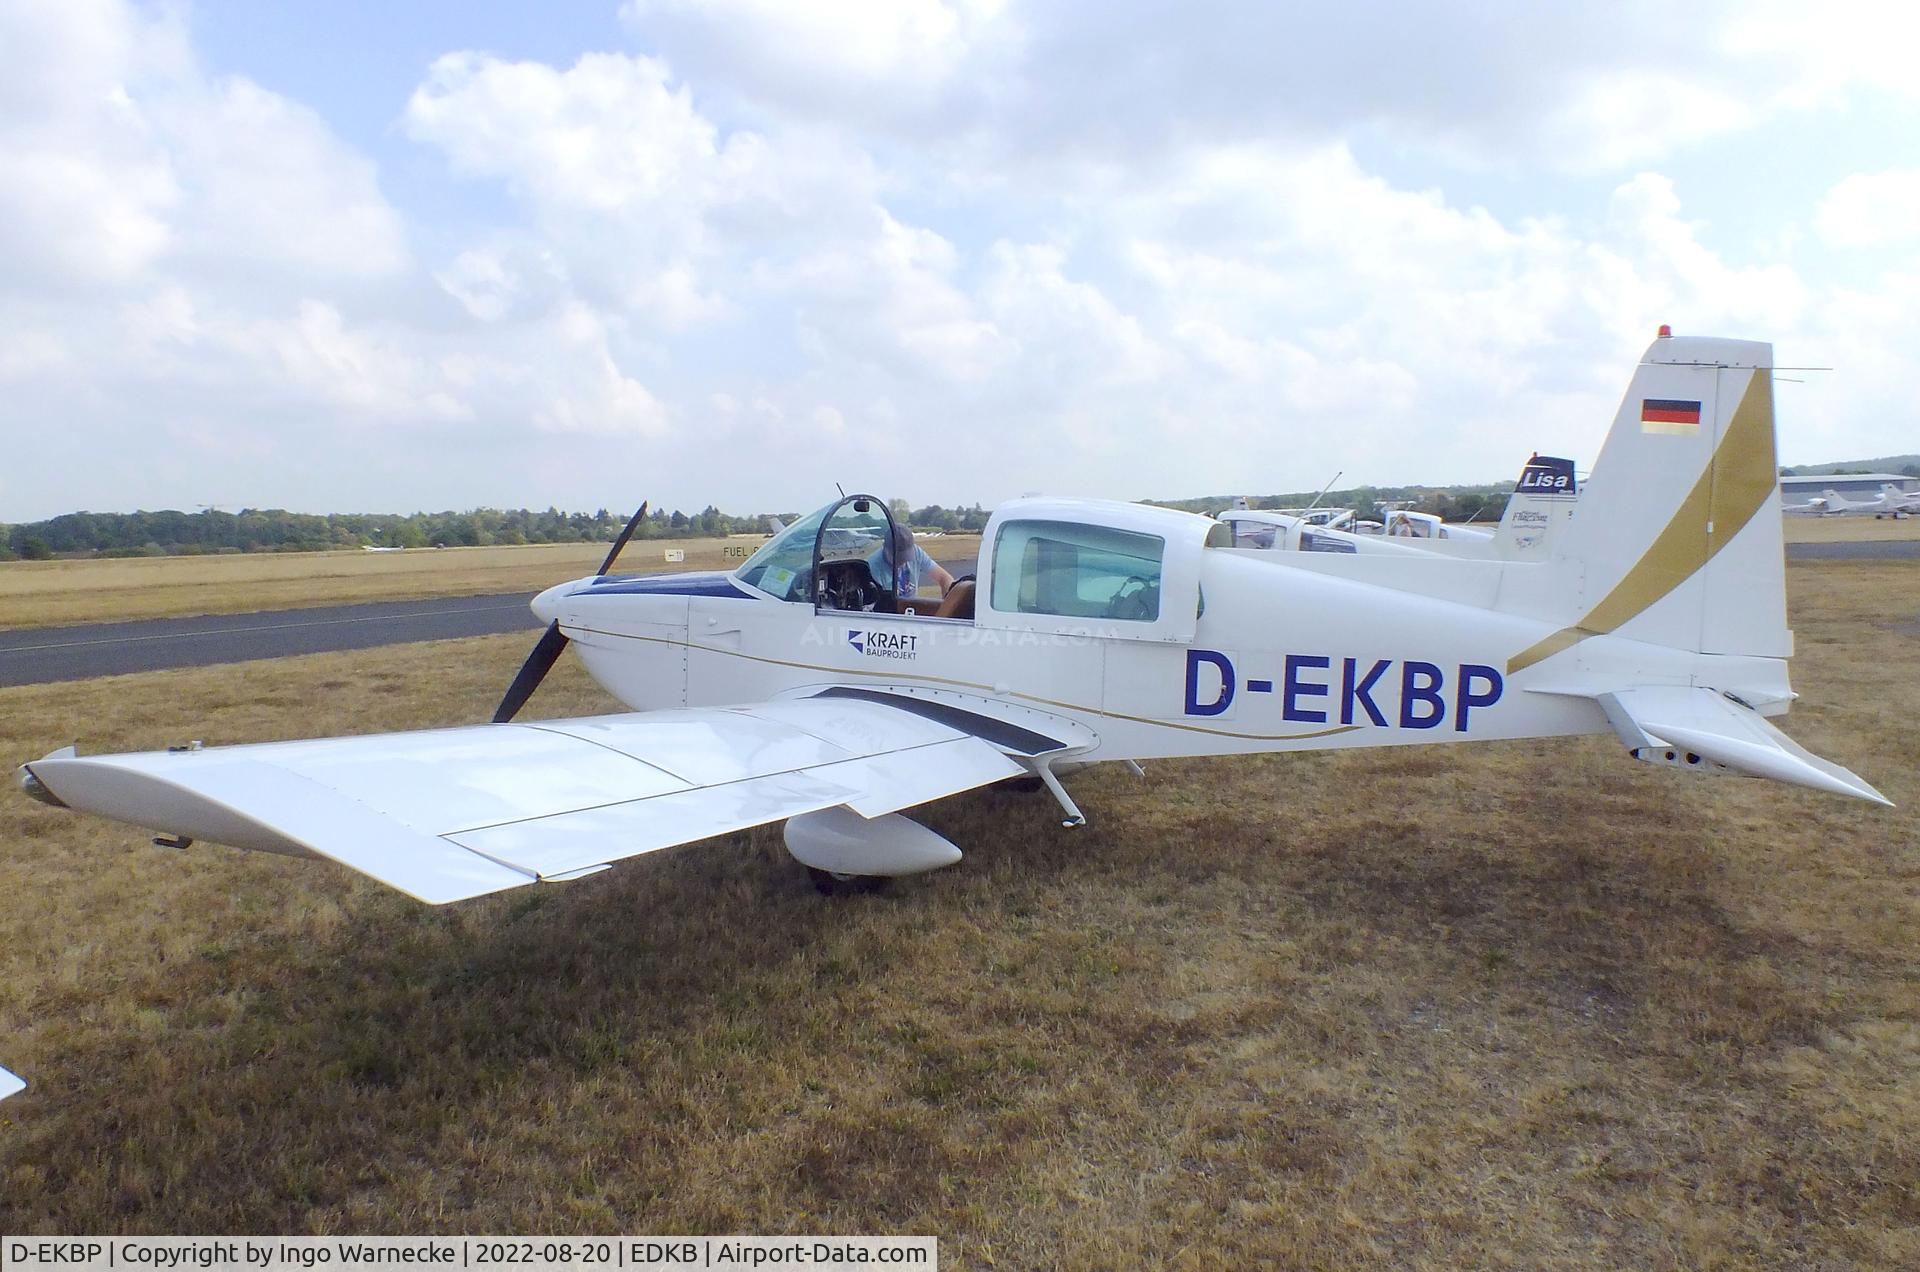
x: 782, y: 564
x: 839, y: 557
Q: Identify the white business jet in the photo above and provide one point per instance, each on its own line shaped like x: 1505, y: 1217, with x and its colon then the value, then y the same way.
x: 804, y: 687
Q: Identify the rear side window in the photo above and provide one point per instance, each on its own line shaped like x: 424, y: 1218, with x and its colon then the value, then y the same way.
x: 1251, y: 534
x: 1077, y: 571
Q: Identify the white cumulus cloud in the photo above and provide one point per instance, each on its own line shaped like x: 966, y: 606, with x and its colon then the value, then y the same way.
x: 950, y: 249
x: 1871, y: 209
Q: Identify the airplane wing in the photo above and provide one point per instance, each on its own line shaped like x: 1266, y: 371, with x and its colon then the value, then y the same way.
x: 10, y: 1084
x: 455, y: 813
x: 1694, y: 725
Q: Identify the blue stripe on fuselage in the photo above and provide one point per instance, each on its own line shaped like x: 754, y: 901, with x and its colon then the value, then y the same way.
x: 698, y: 583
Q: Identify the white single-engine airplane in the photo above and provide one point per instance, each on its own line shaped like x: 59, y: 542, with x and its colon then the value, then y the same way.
x: 1890, y: 502
x: 805, y: 687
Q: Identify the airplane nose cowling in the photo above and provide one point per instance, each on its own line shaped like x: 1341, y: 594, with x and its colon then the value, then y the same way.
x: 546, y: 606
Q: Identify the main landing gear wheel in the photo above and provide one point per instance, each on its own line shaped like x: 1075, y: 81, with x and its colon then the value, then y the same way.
x: 830, y: 883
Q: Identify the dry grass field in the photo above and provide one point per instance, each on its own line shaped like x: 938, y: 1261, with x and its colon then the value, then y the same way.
x: 1850, y: 529
x: 1508, y: 1006
x: 52, y: 593
x: 55, y: 593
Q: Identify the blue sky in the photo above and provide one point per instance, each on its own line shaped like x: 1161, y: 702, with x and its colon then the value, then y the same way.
x: 385, y: 257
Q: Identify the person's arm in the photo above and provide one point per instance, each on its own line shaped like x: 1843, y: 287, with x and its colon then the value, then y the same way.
x: 933, y: 569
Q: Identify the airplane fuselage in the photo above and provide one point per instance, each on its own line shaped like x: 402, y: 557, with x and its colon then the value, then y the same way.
x: 1285, y: 655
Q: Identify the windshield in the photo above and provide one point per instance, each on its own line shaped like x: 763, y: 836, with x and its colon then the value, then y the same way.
x: 782, y: 564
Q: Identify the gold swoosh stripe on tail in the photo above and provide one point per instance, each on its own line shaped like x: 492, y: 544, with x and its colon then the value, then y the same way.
x: 1734, y: 486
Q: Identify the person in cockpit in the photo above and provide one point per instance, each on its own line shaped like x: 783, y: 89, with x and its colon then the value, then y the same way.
x: 912, y: 565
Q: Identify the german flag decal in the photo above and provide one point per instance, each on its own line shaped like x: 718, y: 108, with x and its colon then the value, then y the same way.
x: 1667, y: 415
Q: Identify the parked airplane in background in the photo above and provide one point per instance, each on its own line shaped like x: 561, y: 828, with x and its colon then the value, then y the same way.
x: 1543, y: 497
x: 808, y: 686
x: 1405, y: 523
x: 1328, y: 518
x: 1275, y: 530
x: 1814, y: 507
x: 1890, y: 502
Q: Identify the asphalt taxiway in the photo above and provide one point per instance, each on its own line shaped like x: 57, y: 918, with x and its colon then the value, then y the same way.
x: 37, y: 655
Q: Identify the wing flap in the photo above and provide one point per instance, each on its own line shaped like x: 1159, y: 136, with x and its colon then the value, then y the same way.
x: 903, y: 779
x: 566, y: 842
x: 1707, y: 723
x: 870, y: 785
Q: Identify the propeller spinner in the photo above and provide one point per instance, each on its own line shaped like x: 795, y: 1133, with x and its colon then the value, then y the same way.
x: 553, y: 641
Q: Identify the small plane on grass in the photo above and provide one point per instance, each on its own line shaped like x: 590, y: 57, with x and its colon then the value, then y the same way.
x: 809, y: 686
x: 1891, y: 501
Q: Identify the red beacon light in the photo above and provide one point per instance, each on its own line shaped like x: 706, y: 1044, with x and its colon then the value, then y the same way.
x: 1666, y: 332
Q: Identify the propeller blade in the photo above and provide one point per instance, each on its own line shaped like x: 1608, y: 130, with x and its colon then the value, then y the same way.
x: 553, y: 641
x: 626, y: 534
x: 532, y: 672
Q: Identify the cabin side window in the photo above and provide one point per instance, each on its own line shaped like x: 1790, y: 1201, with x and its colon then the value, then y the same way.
x: 1077, y: 571
x: 1247, y: 534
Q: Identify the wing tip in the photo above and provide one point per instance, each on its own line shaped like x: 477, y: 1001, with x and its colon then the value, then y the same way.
x: 35, y: 788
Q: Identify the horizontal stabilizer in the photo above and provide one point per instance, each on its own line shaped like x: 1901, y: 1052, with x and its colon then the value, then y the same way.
x: 10, y: 1084
x: 1699, y: 724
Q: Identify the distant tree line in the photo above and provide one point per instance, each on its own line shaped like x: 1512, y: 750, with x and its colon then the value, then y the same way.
x: 951, y: 520
x: 1905, y: 465
x: 170, y: 533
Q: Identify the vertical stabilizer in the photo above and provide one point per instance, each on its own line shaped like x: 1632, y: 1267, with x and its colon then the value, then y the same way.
x: 1676, y: 539
x: 1541, y: 503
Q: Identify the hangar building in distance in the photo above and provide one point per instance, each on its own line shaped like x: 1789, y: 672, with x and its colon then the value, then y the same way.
x: 1794, y: 490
